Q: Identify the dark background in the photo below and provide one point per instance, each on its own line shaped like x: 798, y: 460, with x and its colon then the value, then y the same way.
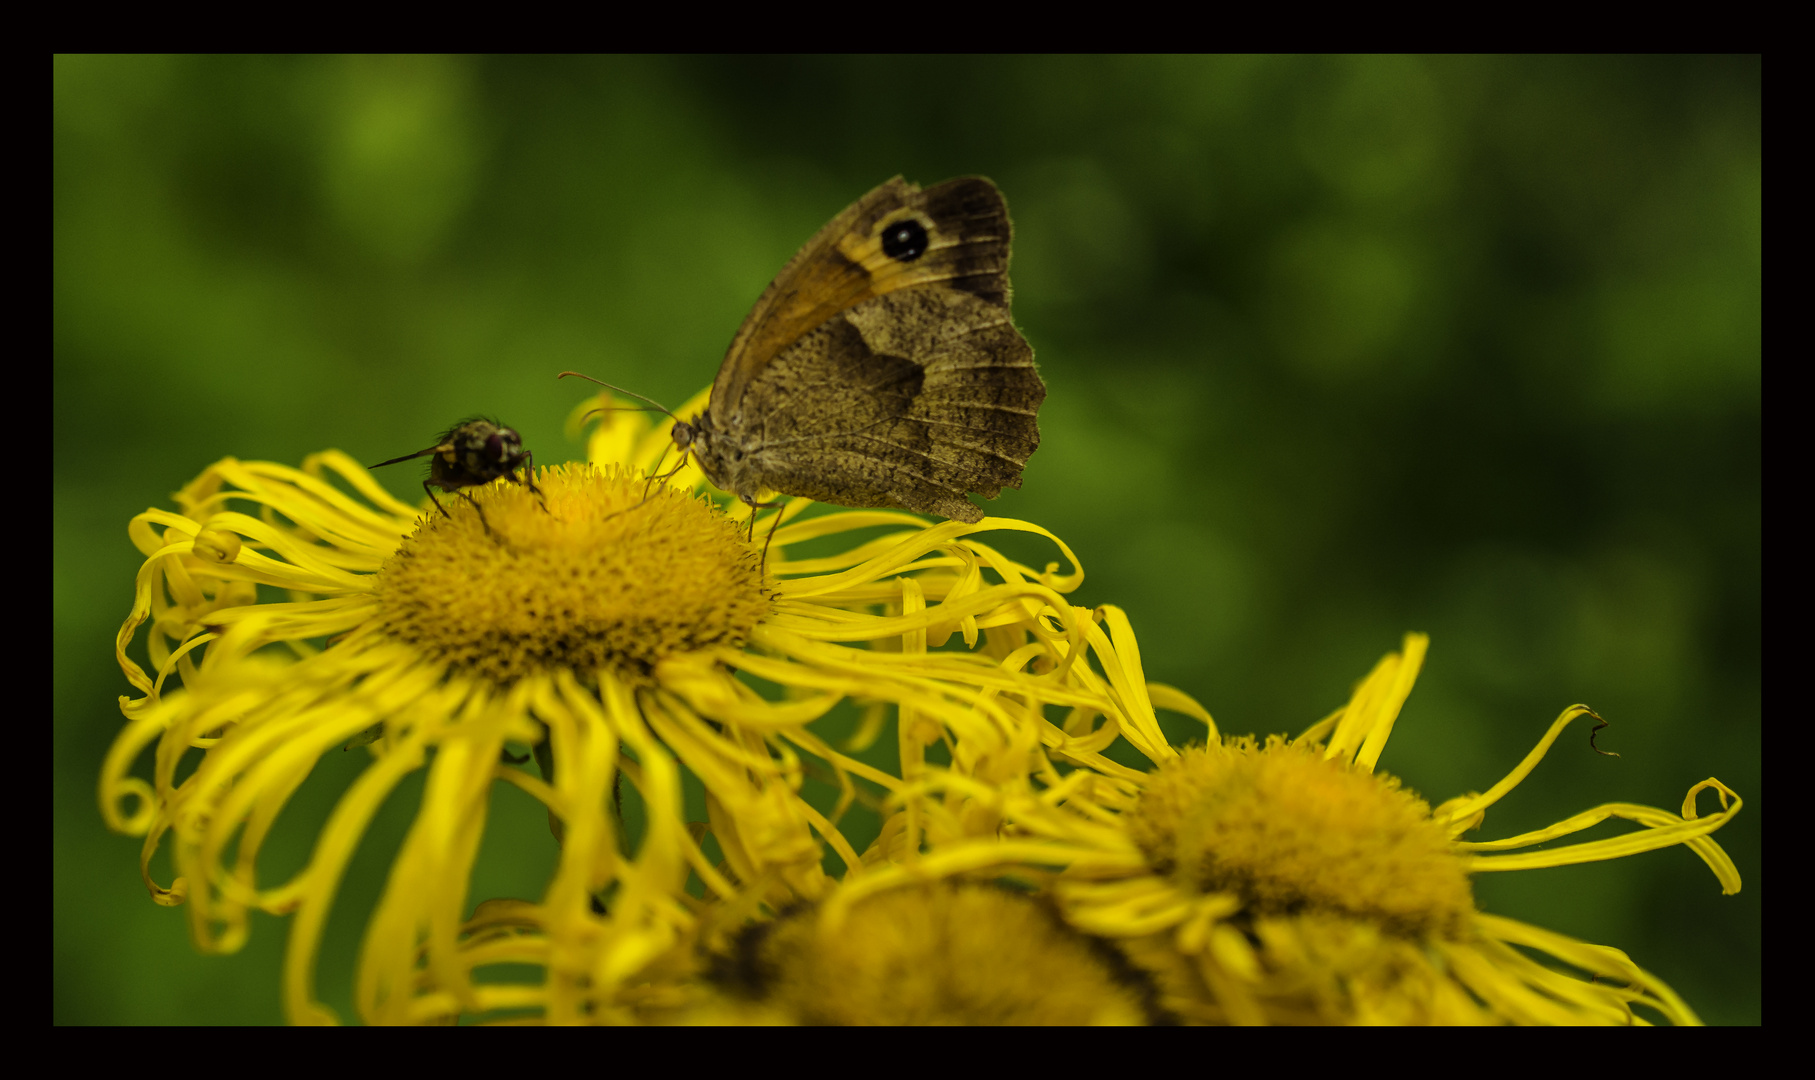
x: 1336, y: 348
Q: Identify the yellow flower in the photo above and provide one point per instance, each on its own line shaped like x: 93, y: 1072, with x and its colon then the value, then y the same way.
x: 620, y: 628
x: 1287, y: 882
x: 613, y: 626
x: 941, y: 953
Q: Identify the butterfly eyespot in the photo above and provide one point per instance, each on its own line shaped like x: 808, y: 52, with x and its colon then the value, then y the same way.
x: 904, y: 241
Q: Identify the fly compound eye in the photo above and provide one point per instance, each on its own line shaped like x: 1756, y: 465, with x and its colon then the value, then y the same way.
x: 494, y: 446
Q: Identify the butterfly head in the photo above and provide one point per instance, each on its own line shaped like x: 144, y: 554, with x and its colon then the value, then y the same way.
x: 714, y: 455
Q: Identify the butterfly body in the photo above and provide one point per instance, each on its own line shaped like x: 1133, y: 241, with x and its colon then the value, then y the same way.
x: 881, y: 367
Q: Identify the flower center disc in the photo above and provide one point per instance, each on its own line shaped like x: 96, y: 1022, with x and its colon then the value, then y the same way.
x: 601, y: 578
x: 1290, y: 832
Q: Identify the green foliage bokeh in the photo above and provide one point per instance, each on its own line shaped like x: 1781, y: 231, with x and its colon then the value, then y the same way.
x: 1336, y: 348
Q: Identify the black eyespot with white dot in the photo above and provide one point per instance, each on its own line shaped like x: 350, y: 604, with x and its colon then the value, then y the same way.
x: 904, y: 241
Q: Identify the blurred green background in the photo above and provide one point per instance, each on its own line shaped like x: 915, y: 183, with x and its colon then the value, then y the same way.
x: 1336, y: 348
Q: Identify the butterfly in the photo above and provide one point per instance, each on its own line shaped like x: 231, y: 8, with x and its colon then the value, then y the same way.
x: 881, y: 368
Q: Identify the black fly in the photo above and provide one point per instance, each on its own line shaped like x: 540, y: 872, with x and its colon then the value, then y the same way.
x: 470, y: 453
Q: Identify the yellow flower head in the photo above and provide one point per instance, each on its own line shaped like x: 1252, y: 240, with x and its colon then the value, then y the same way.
x: 607, y: 622
x: 608, y: 578
x: 941, y: 953
x: 1285, y: 881
x: 1288, y: 829
x: 619, y: 628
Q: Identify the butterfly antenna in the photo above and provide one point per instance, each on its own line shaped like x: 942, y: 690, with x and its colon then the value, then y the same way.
x: 621, y: 408
x: 619, y: 389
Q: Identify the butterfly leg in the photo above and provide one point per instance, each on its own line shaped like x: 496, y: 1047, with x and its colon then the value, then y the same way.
x: 664, y: 476
x: 773, y: 522
x: 648, y: 480
x: 645, y: 497
x: 750, y: 537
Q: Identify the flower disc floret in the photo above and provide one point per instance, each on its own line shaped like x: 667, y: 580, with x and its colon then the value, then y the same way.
x: 1289, y: 830
x: 603, y: 578
x: 942, y: 953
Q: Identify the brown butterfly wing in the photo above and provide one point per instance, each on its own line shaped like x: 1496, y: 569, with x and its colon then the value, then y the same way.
x: 867, y: 379
x: 909, y: 399
x: 844, y: 264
